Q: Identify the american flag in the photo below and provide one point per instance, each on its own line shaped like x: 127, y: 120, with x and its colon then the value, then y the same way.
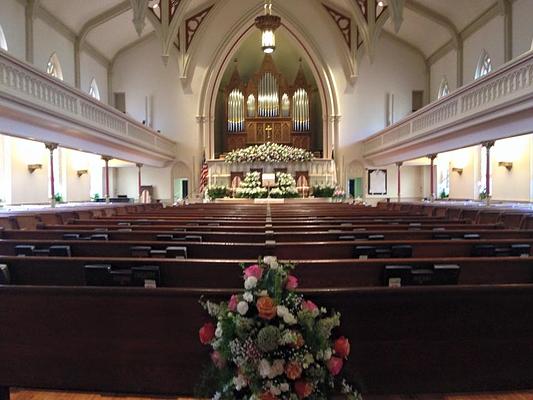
x: 204, y: 176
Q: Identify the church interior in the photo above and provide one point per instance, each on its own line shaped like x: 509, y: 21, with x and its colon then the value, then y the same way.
x: 266, y: 199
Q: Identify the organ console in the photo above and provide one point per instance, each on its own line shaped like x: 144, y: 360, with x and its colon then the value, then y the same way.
x: 267, y: 109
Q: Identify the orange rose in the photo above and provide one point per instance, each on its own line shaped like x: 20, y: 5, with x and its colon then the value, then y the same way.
x: 299, y: 341
x: 293, y: 370
x: 266, y: 308
x: 268, y: 396
x: 303, y: 389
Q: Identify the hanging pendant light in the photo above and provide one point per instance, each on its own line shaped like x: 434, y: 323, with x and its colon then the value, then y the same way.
x: 268, y: 23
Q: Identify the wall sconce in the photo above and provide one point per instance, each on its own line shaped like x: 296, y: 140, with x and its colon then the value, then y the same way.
x: 506, y: 164
x: 458, y: 170
x: 81, y: 172
x: 33, y: 167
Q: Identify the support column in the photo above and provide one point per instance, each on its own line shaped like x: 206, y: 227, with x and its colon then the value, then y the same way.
x: 487, y: 146
x: 31, y: 6
x: 51, y: 147
x: 432, y: 176
x: 4, y: 393
x: 106, y: 160
x: 398, y: 166
x: 139, y: 166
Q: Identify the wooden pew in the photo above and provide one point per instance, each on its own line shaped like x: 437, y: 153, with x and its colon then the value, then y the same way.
x: 145, y: 341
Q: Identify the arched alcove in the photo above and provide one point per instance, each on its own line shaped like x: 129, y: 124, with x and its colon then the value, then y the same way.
x: 289, y: 62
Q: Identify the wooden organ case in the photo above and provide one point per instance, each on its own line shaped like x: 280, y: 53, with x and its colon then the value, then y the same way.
x: 267, y: 109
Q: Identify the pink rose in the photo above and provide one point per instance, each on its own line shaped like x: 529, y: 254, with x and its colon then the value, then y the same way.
x: 335, y: 365
x: 342, y: 347
x: 292, y: 282
x: 232, y: 304
x: 253, y: 270
x: 308, y: 305
x: 218, y: 360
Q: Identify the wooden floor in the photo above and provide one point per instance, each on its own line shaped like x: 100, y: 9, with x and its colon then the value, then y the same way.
x: 19, y: 394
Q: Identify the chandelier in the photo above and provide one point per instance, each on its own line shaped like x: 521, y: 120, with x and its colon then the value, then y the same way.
x: 268, y: 23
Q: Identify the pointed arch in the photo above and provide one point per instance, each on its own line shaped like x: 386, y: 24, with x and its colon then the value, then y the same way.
x: 223, y: 56
x: 444, y: 88
x: 93, y: 89
x: 3, y: 41
x: 53, y: 67
x: 484, y: 65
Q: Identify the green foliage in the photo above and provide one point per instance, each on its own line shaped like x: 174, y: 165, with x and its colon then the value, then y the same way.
x: 217, y: 192
x: 323, y: 191
x: 58, y: 198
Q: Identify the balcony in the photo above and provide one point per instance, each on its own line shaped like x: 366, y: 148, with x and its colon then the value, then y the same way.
x: 37, y: 106
x: 496, y: 106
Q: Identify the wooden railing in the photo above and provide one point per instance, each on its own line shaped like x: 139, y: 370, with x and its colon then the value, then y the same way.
x: 27, y: 94
x: 500, y: 93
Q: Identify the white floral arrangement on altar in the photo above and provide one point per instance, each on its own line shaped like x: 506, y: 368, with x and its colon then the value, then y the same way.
x: 286, y: 187
x: 268, y: 152
x: 271, y: 343
x: 250, y: 187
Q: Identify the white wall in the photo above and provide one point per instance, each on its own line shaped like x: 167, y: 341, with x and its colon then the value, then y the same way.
x: 47, y: 40
x: 522, y: 26
x: 159, y: 178
x: 12, y: 20
x: 89, y: 69
x: 446, y: 66
x: 488, y: 37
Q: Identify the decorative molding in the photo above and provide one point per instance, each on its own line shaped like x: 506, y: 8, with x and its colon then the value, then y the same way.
x: 192, y: 24
x: 139, y: 7
x: 102, y: 18
x: 436, y: 18
x: 343, y: 22
x: 132, y: 45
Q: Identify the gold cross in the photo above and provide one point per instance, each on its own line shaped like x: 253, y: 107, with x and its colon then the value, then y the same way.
x: 268, y: 130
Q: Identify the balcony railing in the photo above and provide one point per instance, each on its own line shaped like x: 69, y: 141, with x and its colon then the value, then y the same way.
x: 501, y: 93
x: 58, y: 112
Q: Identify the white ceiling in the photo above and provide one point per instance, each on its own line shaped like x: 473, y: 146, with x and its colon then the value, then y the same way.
x: 419, y: 31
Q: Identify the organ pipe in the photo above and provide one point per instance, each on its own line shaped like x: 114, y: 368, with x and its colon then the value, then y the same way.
x: 236, y: 111
x: 300, y: 111
x: 268, y: 97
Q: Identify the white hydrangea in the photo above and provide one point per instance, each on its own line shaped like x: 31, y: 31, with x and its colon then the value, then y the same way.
x: 248, y: 297
x: 250, y: 282
x: 269, y: 259
x: 242, y: 307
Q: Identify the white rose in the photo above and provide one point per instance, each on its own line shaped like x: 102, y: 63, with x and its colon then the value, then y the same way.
x: 263, y: 293
x: 242, y: 307
x: 248, y: 297
x: 284, y: 387
x: 289, y: 319
x: 216, y: 396
x: 282, y: 311
x: 264, y: 368
x: 250, y: 282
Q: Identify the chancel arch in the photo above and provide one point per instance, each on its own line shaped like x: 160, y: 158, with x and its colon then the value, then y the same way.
x: 222, y: 59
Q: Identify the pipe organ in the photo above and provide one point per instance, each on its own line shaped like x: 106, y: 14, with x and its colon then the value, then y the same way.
x: 267, y: 109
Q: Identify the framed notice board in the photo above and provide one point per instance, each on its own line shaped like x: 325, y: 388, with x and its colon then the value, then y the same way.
x: 377, y: 181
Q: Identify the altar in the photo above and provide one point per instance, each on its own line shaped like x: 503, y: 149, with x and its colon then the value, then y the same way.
x: 314, y: 172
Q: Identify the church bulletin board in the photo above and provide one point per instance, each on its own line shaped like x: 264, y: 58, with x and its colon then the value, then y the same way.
x: 377, y: 181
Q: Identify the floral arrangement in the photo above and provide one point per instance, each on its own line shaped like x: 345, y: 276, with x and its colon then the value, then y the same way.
x: 286, y: 186
x: 268, y: 152
x: 323, y: 190
x: 217, y: 191
x: 250, y: 187
x: 271, y: 343
x: 339, y: 194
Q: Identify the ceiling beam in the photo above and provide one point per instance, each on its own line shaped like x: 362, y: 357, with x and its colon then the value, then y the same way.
x: 103, y: 18
x: 436, y: 18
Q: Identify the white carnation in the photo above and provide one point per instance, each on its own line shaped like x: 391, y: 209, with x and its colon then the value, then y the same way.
x: 250, y: 282
x: 242, y: 307
x: 248, y: 297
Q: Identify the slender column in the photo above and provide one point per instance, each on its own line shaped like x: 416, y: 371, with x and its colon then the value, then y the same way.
x: 4, y: 393
x: 431, y: 176
x: 106, y: 160
x: 487, y: 146
x: 51, y: 147
x: 139, y: 166
x: 398, y: 166
x: 30, y: 15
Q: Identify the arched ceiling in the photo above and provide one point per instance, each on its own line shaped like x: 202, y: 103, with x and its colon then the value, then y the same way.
x: 427, y: 24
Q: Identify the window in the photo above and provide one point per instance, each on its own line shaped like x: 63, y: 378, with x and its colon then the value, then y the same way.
x: 93, y: 90
x: 484, y: 65
x: 3, y: 41
x: 54, y: 67
x: 444, y: 89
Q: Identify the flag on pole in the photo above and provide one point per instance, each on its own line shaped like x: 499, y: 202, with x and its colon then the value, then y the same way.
x: 204, y: 176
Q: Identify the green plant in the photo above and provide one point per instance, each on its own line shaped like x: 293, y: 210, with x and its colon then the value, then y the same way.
x: 323, y: 191
x: 483, y: 194
x: 58, y: 197
x: 96, y: 197
x: 217, y: 191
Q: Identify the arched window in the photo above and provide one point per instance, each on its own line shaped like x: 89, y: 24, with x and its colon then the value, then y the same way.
x: 93, y: 90
x: 3, y: 41
x: 54, y: 67
x: 484, y: 65
x: 444, y: 89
